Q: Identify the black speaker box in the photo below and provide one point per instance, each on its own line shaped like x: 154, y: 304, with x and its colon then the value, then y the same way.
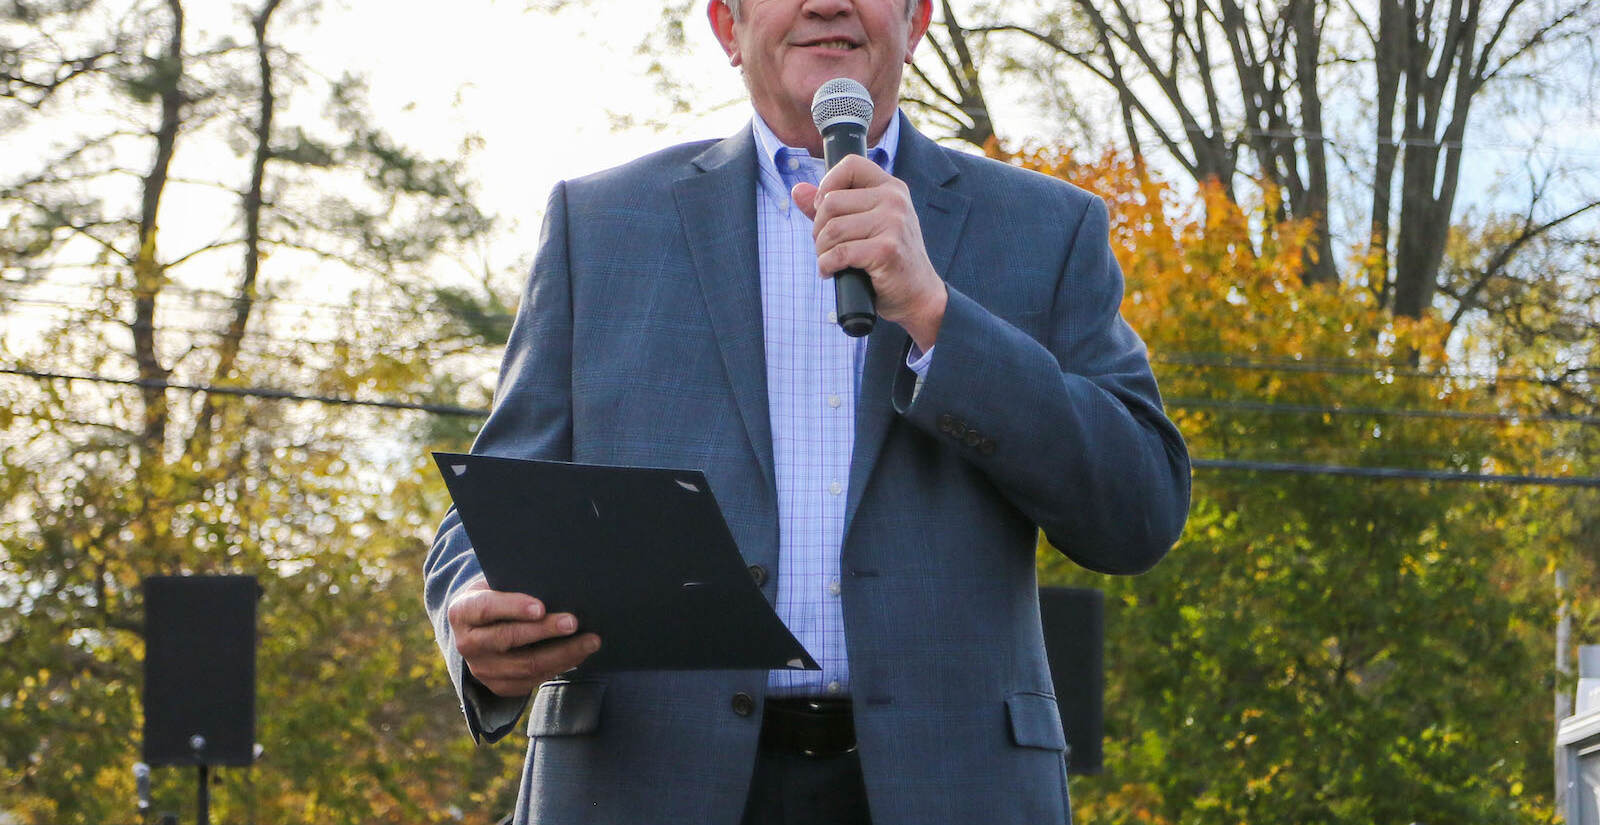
x: 200, y: 669
x: 1074, y: 638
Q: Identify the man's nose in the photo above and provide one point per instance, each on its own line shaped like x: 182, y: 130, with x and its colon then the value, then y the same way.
x: 828, y: 8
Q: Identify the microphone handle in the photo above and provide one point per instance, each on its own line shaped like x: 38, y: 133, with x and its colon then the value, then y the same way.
x: 854, y: 297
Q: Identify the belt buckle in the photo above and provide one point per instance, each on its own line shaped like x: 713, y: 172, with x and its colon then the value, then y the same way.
x: 821, y: 709
x: 829, y: 754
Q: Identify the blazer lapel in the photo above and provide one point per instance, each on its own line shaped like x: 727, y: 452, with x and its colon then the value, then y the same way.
x: 942, y: 212
x: 717, y: 207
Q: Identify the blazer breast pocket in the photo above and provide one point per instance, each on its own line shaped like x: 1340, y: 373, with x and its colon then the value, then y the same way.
x: 566, y: 708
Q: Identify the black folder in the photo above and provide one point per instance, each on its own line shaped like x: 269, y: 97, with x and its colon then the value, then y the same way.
x: 642, y: 556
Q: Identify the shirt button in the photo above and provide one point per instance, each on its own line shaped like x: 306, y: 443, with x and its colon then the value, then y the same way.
x: 794, y: 163
x: 833, y: 587
x: 833, y: 317
x: 835, y: 488
x: 834, y: 686
x: 743, y: 704
x: 833, y: 401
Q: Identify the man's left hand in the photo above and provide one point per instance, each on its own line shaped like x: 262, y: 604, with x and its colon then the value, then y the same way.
x: 862, y: 217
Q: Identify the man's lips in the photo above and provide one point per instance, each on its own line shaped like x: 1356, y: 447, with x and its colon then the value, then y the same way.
x: 842, y: 44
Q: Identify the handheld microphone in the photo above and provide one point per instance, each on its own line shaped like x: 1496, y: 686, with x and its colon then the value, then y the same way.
x: 842, y: 110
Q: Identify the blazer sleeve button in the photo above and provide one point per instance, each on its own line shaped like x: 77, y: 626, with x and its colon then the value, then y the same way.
x: 973, y: 438
x: 743, y: 704
x: 947, y: 424
x: 986, y: 446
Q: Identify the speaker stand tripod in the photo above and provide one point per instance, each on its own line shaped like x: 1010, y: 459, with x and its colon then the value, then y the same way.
x: 203, y: 796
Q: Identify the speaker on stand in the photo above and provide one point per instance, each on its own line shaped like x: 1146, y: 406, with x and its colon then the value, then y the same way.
x: 200, y: 674
x: 1074, y: 641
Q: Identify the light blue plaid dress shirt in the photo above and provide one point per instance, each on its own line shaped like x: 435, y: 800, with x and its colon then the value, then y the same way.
x: 813, y: 375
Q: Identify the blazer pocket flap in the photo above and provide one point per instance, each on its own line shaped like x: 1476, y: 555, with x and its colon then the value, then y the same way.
x: 563, y: 708
x: 1035, y: 721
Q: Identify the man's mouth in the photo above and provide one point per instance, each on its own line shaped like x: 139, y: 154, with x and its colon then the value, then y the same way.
x: 836, y: 44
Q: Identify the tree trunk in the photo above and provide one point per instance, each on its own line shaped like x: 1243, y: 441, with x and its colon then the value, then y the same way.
x: 149, y: 275
x: 244, y: 298
x: 1319, y: 264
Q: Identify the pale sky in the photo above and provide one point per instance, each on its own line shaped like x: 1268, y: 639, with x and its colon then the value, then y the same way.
x: 539, y: 88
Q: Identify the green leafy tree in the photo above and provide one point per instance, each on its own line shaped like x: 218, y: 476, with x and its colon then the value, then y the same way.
x: 191, y: 221
x: 1323, y: 649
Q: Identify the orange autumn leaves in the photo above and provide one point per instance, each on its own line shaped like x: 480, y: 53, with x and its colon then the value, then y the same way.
x: 1208, y: 275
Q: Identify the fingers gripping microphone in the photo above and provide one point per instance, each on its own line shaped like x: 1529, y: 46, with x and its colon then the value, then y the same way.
x: 842, y: 109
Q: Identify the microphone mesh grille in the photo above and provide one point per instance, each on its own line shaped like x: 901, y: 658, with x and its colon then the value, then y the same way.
x: 841, y: 99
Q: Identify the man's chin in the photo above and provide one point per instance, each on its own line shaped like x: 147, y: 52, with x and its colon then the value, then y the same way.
x: 807, y: 89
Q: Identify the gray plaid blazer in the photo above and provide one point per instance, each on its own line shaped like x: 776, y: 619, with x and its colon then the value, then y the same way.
x: 639, y: 341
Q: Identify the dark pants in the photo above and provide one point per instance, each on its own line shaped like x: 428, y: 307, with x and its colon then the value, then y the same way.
x: 790, y: 789
x: 807, y: 769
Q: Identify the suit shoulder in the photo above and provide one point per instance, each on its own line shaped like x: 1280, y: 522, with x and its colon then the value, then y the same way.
x: 642, y: 176
x: 981, y: 175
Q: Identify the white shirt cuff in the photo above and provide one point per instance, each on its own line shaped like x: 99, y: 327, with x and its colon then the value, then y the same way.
x: 495, y: 713
x: 917, y: 361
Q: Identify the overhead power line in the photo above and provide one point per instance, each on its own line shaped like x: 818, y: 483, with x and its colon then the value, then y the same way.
x: 253, y: 392
x: 1219, y: 360
x: 1396, y: 473
x: 226, y: 301
x: 1403, y: 141
x: 1260, y: 363
x: 1392, y: 473
x: 316, y: 312
x: 1267, y: 364
x: 255, y: 333
x: 1386, y: 412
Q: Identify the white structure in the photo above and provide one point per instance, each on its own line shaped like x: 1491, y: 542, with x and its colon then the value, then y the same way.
x: 1578, y: 745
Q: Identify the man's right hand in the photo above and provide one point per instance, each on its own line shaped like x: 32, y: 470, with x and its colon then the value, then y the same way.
x: 508, y: 642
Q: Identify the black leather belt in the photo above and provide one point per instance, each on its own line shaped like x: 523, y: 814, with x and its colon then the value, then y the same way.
x: 808, y: 727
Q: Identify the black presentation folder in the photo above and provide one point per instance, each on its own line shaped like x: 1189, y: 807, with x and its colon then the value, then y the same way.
x: 642, y: 556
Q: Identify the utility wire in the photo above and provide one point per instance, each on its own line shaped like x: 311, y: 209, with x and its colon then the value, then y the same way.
x: 1395, y: 473
x: 1190, y: 359
x: 225, y: 304
x: 1402, y: 141
x: 1349, y: 368
x: 226, y: 301
x: 1230, y: 405
x: 336, y: 311
x: 254, y: 333
x: 1201, y: 464
x: 252, y: 392
x: 1175, y: 402
x: 1394, y: 412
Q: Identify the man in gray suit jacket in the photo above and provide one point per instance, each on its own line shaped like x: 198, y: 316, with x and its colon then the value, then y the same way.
x: 675, y: 317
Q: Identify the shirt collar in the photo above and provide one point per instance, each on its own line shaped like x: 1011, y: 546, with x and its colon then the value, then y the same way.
x: 772, y: 152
